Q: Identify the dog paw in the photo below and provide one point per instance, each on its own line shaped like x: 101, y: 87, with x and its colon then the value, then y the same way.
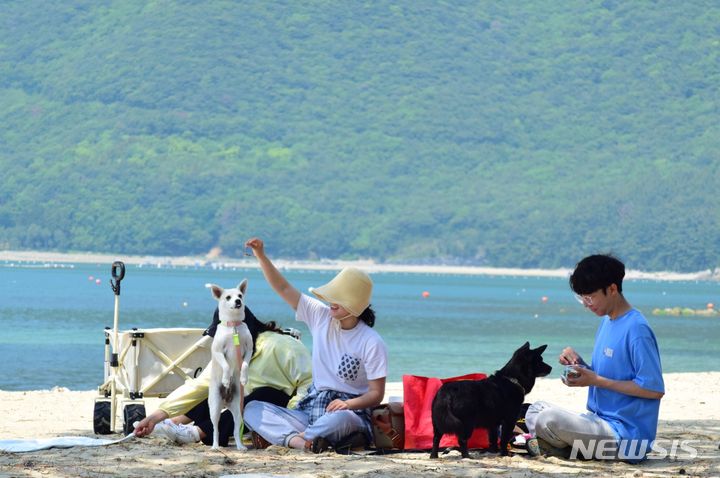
x: 242, y: 447
x: 243, y: 379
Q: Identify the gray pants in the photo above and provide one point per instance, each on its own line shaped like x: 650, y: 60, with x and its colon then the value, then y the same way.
x: 278, y: 425
x: 587, y: 433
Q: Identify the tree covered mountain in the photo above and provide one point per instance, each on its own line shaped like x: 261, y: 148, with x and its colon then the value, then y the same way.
x: 523, y: 134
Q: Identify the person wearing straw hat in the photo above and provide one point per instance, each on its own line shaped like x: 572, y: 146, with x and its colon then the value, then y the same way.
x: 349, y: 365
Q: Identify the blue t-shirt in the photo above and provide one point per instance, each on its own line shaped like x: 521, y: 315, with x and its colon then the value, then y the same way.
x: 626, y: 349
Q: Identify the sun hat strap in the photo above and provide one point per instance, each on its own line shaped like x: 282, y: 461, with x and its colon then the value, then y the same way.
x: 336, y: 322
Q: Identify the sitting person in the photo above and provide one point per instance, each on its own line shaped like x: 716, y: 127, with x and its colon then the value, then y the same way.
x: 349, y: 364
x: 279, y: 373
x: 624, y: 380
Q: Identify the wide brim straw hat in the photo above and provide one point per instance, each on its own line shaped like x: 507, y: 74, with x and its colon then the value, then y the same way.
x: 351, y: 289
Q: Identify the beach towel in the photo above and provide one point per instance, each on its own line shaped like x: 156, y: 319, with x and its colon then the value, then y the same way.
x: 418, y: 394
x: 25, y: 445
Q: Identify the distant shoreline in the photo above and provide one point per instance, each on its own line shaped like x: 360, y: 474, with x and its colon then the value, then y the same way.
x: 53, y: 258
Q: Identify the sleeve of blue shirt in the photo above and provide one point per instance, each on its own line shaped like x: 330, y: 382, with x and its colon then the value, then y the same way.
x: 646, y: 361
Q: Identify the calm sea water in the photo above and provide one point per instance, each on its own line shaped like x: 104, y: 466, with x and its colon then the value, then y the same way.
x: 52, y: 318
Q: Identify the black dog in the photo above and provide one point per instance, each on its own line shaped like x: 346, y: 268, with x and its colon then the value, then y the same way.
x: 460, y: 407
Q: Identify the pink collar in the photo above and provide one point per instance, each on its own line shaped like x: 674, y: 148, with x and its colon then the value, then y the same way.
x: 232, y: 323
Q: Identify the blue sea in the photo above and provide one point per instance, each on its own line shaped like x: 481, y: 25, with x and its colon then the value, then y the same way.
x: 52, y: 318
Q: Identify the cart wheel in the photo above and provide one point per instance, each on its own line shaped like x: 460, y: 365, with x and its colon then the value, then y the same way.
x: 132, y: 413
x: 101, y: 418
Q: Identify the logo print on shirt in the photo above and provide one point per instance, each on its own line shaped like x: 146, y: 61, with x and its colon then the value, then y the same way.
x: 349, y: 368
x: 608, y: 352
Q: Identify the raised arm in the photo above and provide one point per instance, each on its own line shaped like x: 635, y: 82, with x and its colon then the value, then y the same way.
x: 273, y: 276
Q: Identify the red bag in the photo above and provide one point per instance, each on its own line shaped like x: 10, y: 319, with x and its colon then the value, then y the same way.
x: 418, y: 394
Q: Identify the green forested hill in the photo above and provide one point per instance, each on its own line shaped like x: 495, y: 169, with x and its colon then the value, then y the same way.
x: 522, y: 134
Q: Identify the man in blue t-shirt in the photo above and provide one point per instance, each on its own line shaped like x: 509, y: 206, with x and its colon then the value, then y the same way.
x: 624, y: 381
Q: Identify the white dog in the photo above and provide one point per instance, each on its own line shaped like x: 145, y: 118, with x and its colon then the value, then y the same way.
x: 227, y: 373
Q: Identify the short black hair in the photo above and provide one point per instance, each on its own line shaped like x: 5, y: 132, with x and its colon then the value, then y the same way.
x: 598, y: 271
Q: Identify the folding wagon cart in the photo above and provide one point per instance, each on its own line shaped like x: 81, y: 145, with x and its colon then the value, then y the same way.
x: 141, y: 363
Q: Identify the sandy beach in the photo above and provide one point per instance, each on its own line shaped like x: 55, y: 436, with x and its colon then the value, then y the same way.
x: 59, y: 259
x: 690, y: 411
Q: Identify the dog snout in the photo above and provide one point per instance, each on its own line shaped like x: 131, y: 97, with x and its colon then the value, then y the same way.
x: 238, y: 303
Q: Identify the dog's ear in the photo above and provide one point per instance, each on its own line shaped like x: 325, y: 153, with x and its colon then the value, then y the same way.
x: 540, y: 349
x: 525, y: 346
x: 243, y: 286
x: 216, y: 290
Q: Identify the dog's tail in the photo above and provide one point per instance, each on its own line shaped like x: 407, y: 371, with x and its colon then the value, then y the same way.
x: 227, y: 393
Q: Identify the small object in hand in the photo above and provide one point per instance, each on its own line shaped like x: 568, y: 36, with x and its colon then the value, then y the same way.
x: 570, y: 372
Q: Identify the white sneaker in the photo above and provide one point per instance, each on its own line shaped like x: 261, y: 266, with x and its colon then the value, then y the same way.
x: 178, y: 433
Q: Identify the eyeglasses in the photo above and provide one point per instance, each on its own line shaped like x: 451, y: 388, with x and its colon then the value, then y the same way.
x: 584, y: 299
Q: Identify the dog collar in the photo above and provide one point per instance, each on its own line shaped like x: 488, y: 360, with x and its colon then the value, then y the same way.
x: 232, y: 323
x: 515, y: 381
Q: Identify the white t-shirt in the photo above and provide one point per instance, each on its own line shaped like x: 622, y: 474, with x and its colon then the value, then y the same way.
x: 342, y: 360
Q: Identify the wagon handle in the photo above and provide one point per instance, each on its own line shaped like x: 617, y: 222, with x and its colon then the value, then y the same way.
x: 118, y: 272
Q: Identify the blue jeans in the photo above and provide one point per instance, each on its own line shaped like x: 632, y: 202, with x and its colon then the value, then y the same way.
x: 278, y: 425
x: 200, y: 414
